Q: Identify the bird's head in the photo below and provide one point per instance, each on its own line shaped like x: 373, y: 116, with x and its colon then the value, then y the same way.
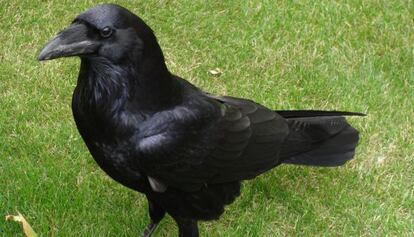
x: 108, y: 32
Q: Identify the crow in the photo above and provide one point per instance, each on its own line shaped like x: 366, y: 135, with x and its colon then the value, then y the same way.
x: 187, y: 150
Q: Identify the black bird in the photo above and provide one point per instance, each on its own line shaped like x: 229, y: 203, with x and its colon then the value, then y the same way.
x: 156, y: 133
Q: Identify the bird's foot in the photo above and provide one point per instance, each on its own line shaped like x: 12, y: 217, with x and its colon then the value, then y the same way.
x: 150, y: 229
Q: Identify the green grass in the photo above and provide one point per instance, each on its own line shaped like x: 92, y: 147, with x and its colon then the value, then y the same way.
x: 353, y: 55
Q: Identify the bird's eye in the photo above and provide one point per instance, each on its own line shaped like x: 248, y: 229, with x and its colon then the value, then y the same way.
x: 106, y: 32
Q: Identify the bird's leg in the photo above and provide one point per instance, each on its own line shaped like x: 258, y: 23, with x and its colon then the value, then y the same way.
x: 156, y: 213
x: 186, y: 227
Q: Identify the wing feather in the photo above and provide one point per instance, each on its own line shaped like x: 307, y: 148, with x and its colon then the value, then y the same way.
x: 223, y: 139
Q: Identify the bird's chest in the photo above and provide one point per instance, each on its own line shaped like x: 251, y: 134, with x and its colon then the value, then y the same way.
x: 119, y: 161
x: 112, y: 149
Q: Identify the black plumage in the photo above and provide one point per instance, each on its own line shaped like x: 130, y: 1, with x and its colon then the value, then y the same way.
x: 185, y: 149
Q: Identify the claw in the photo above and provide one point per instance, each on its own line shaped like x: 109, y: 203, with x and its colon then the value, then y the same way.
x: 150, y: 229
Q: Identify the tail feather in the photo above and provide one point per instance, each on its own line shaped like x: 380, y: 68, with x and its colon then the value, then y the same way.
x: 319, y: 139
x: 315, y: 113
x: 335, y: 151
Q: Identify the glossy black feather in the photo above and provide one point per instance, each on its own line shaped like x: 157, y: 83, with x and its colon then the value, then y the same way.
x: 185, y: 149
x: 314, y: 113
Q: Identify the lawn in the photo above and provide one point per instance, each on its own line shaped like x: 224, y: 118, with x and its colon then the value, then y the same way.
x: 355, y: 55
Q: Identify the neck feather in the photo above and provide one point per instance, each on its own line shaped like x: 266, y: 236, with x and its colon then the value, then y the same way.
x: 106, y: 89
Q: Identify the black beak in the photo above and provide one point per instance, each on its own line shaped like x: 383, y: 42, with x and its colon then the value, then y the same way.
x: 72, y: 41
